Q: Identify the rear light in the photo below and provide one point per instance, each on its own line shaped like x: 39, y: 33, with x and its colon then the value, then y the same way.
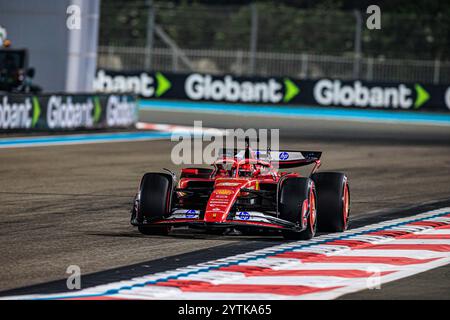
x: 189, y: 171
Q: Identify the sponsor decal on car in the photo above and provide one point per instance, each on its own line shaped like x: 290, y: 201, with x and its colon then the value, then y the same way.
x: 221, y: 205
x: 284, y: 155
x: 191, y: 214
x: 224, y: 191
x: 228, y: 184
x: 184, y: 214
x: 244, y: 215
x: 220, y: 196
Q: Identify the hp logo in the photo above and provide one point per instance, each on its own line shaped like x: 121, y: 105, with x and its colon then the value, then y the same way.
x: 284, y: 155
x: 244, y: 215
x: 190, y: 214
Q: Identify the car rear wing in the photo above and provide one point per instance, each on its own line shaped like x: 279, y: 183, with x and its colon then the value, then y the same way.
x: 289, y: 158
x: 281, y: 159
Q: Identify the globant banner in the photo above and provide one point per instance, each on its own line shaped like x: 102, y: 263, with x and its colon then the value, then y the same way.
x: 49, y: 112
x: 275, y: 90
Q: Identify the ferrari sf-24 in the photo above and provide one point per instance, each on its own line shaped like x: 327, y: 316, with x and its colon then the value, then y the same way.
x: 245, y: 191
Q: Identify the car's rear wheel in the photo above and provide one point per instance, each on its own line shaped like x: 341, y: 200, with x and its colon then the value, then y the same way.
x: 333, y: 201
x: 154, y: 202
x: 298, y: 205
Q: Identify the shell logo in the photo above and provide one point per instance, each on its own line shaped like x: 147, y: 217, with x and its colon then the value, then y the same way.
x: 224, y: 192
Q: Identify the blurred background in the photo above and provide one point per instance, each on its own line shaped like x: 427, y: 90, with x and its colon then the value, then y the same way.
x: 302, y: 39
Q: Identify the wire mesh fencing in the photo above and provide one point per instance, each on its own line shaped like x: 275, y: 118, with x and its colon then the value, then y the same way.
x: 272, y: 39
x: 237, y: 62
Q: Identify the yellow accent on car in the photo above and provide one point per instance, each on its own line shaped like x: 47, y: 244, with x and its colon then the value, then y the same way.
x: 224, y: 191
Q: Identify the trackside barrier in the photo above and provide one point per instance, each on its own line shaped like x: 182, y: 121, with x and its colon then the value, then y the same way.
x: 277, y: 91
x: 56, y: 112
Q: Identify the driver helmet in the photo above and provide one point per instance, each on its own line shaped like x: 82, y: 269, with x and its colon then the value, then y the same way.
x: 245, y: 170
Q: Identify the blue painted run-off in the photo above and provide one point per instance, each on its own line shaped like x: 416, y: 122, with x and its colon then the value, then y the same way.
x: 309, y: 112
x: 82, y: 138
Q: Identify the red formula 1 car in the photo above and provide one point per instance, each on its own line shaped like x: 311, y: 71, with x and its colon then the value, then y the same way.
x: 244, y: 191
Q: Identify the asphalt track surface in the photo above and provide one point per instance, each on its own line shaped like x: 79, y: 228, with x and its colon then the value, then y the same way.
x: 69, y: 205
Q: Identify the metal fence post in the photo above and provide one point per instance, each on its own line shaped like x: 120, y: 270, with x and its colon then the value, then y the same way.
x: 253, y: 37
x: 369, y: 76
x: 174, y: 60
x: 239, y: 59
x: 436, y: 71
x: 150, y: 32
x: 357, y: 45
x: 304, y: 72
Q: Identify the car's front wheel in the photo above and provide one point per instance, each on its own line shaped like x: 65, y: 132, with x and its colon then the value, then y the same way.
x: 298, y: 205
x: 333, y: 201
x: 154, y: 202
